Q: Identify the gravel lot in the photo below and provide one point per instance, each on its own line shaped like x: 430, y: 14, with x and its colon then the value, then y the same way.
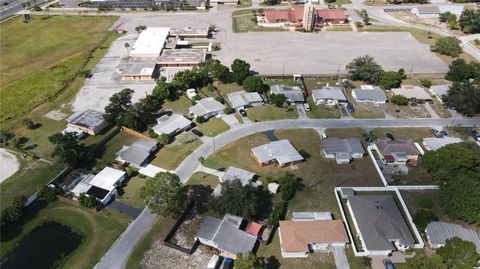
x: 161, y: 256
x: 8, y: 164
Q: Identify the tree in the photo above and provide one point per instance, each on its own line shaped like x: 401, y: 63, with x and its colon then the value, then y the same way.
x: 200, y: 119
x: 118, y: 106
x: 228, y: 110
x: 399, y: 99
x: 246, y: 201
x: 240, y: 71
x: 369, y: 136
x: 464, y: 98
x: 29, y: 124
x: 449, y: 45
x: 459, y: 70
x: 452, y: 160
x: 5, y: 136
x: 190, y: 78
x: 255, y: 84
x: 140, y: 28
x: 216, y: 69
x: 48, y: 194
x: 164, y: 139
x: 366, y: 18
x: 277, y: 213
x: 470, y: 21
x: 12, y: 213
x: 68, y: 149
x: 426, y: 83
x: 458, y: 253
x: 366, y: 69
x: 443, y: 17
x: 278, y: 99
x: 426, y: 262
x: 165, y: 194
x: 288, y: 186
x: 127, y: 46
x: 87, y: 201
x: 247, y: 261
x: 460, y: 197
x: 163, y: 90
x: 391, y: 79
x: 422, y: 217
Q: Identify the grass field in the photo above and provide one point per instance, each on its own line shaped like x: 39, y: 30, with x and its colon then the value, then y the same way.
x: 213, y: 127
x: 99, y: 229
x: 208, y: 180
x: 180, y: 105
x: 130, y: 193
x: 322, y: 111
x: 47, y: 53
x: 271, y: 112
x: 107, y: 153
x: 170, y: 156
x: 242, y: 21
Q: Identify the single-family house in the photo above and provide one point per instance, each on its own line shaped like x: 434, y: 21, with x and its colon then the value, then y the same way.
x: 426, y: 12
x: 206, y: 108
x: 242, y: 99
x: 369, y: 93
x: 171, y: 124
x: 434, y: 143
x: 438, y: 232
x: 280, y: 152
x: 397, y: 151
x: 294, y: 94
x: 102, y: 186
x: 439, y: 91
x: 300, y: 237
x: 308, y: 216
x: 329, y: 96
x: 233, y: 173
x: 379, y: 224
x: 413, y: 93
x: 225, y: 235
x: 137, y: 153
x: 342, y: 149
x: 89, y: 121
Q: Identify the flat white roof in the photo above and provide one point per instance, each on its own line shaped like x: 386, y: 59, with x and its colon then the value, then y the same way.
x: 107, y: 178
x: 434, y: 143
x: 281, y: 151
x: 150, y: 42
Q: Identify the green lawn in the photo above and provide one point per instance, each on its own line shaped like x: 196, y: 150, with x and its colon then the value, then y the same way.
x: 213, y: 127
x: 417, y: 134
x: 99, y: 229
x: 170, y: 156
x: 107, y: 152
x: 322, y: 111
x: 180, y: 105
x: 27, y: 180
x: 244, y: 3
x: 40, y: 58
x: 271, y: 112
x: 130, y: 193
x: 242, y: 22
x: 207, y: 179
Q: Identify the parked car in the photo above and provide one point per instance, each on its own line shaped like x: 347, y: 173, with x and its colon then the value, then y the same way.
x: 388, y: 264
x: 242, y: 112
x: 390, y: 136
x: 197, y: 132
x: 306, y: 106
x: 444, y: 133
x: 436, y: 132
x: 350, y: 108
x: 476, y: 135
x: 323, y: 135
x: 227, y: 263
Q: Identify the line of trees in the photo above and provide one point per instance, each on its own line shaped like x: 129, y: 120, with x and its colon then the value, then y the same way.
x: 366, y: 69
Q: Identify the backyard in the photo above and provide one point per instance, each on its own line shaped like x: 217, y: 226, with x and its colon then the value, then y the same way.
x: 170, y: 156
x: 98, y: 229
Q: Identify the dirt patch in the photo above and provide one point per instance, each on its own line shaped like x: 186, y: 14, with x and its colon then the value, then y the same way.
x: 9, y: 164
x: 56, y: 115
x: 161, y: 256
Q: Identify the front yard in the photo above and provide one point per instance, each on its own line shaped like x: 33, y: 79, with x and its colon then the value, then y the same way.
x: 213, y: 127
x: 271, y: 112
x: 130, y: 192
x: 322, y: 111
x: 170, y: 156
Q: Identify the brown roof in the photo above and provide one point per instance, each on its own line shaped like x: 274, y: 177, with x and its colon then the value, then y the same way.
x: 297, y: 235
x: 331, y: 14
x: 292, y: 15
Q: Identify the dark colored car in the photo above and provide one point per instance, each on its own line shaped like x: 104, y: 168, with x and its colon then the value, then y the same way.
x: 350, y: 108
x: 390, y: 136
x: 242, y: 112
x: 444, y: 133
x: 476, y: 135
x: 227, y: 263
x: 436, y: 133
x: 197, y: 132
x: 388, y: 264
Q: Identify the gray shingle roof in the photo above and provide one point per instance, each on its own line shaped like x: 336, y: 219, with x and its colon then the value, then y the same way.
x: 342, y: 145
x: 171, y: 124
x: 138, y: 151
x: 332, y: 93
x: 380, y: 222
x: 439, y: 232
x: 89, y: 118
x: 293, y: 93
x: 388, y: 147
x: 440, y: 90
x: 242, y: 98
x: 205, y: 106
x: 370, y: 95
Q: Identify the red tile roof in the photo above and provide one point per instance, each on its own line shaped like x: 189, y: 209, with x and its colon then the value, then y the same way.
x: 254, y: 228
x: 331, y: 14
x: 292, y: 15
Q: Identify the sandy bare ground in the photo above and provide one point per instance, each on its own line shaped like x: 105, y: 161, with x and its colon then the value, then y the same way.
x: 8, y: 164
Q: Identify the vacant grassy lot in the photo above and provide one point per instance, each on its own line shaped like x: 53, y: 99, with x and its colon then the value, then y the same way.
x: 40, y: 58
x: 180, y: 105
x: 170, y: 156
x: 243, y: 21
x: 213, y: 127
x: 322, y: 111
x: 99, y: 229
x: 416, y: 134
x: 207, y: 180
x: 130, y: 193
x: 271, y: 112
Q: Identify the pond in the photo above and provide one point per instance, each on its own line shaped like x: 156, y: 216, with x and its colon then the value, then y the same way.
x: 44, y: 247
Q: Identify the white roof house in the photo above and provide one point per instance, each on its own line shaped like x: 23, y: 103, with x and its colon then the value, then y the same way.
x: 368, y: 93
x: 233, y: 173
x: 434, y: 143
x: 439, y: 232
x: 172, y: 124
x: 89, y: 121
x: 329, y: 95
x: 412, y: 92
x: 150, y: 42
x: 293, y: 94
x: 102, y: 186
x: 241, y: 99
x: 207, y: 107
x: 280, y: 151
x: 439, y: 91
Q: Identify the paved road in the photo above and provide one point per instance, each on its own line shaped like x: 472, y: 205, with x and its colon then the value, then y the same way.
x: 132, y: 212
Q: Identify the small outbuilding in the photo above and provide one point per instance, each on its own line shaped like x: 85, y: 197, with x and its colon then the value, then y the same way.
x: 89, y: 121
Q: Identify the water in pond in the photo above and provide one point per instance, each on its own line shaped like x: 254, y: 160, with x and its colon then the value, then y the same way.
x: 43, y: 248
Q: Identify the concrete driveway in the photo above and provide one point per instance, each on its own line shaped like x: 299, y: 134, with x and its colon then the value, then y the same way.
x: 340, y: 258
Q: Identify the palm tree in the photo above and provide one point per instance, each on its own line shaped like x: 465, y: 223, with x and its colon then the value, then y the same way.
x: 201, y: 160
x: 127, y: 46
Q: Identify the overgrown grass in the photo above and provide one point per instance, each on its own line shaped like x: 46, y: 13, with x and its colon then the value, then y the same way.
x: 130, y: 193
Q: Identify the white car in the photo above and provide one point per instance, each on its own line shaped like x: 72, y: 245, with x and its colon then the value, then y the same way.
x: 306, y: 106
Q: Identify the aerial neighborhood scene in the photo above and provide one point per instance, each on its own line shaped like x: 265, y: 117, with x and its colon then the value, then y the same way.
x: 246, y: 134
